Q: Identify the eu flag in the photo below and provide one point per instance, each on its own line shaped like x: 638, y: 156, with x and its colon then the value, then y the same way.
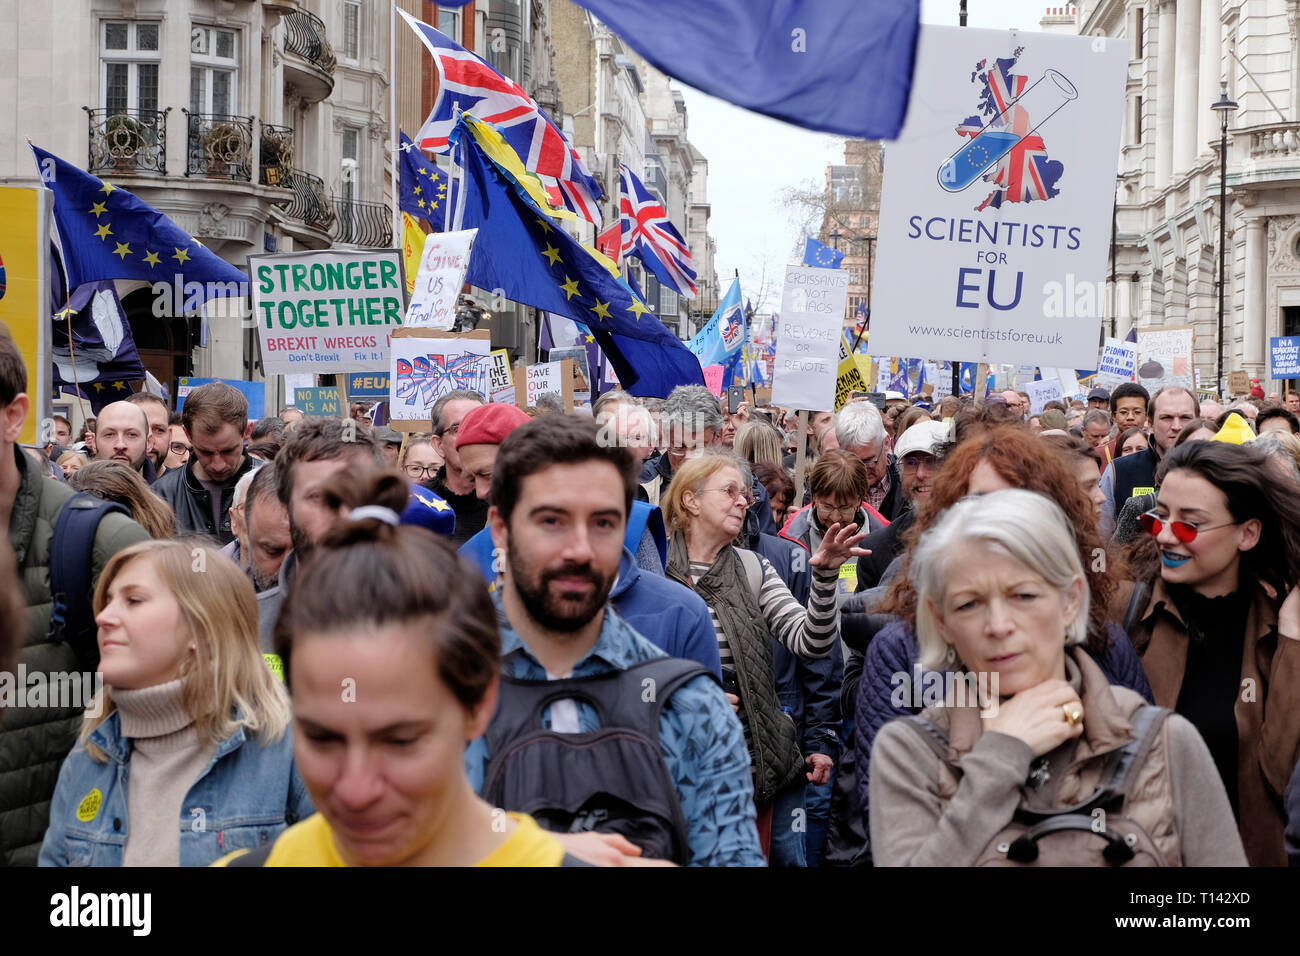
x: 522, y: 252
x: 818, y: 255
x: 423, y: 191
x: 107, y: 233
x: 91, y: 347
x: 840, y: 66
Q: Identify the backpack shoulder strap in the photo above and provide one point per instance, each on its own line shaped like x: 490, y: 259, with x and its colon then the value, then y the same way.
x: 72, y: 553
x: 931, y: 733
x: 653, y: 682
x: 1137, y: 603
x: 1147, y: 723
x: 753, y: 572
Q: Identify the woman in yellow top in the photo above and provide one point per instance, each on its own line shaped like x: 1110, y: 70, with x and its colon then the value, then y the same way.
x: 391, y: 653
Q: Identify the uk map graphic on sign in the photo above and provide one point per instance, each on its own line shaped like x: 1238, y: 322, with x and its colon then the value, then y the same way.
x: 1004, y: 144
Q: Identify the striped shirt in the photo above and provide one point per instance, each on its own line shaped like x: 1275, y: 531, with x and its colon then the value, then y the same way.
x: 808, y: 633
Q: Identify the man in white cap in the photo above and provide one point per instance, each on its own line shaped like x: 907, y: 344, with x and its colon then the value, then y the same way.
x: 920, y: 453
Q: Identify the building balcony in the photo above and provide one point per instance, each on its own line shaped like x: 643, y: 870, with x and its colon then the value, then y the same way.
x: 219, y: 146
x: 1276, y: 139
x: 308, y: 58
x: 356, y: 223
x: 309, y: 204
x: 127, y: 141
x: 276, y: 155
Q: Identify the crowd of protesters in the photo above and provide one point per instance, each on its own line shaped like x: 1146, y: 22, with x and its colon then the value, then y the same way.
x: 935, y: 634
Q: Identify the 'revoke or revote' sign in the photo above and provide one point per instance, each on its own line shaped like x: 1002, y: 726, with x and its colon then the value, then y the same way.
x: 327, y: 311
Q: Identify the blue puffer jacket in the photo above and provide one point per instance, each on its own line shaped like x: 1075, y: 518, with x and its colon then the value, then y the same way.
x: 894, y: 651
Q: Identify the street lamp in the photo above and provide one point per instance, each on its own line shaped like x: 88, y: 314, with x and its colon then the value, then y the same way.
x: 1225, y: 108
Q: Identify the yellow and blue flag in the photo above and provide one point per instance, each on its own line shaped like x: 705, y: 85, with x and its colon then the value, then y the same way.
x: 423, y: 189
x: 521, y: 251
x: 818, y: 255
x: 108, y: 233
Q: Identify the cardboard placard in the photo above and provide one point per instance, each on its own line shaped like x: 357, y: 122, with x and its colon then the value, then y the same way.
x: 443, y: 263
x: 547, y: 377
x: 1239, y: 383
x: 325, y: 402
x: 428, y: 363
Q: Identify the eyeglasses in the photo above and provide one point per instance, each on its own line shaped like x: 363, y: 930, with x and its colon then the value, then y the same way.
x: 731, y: 491
x: 913, y: 462
x: 848, y: 511
x: 180, y: 448
x: 450, y: 430
x: 1184, y: 531
x: 420, y: 471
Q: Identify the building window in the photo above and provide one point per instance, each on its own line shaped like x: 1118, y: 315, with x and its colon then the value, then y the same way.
x: 130, y: 56
x: 351, y: 163
x: 351, y: 30
x: 667, y: 301
x: 1139, y: 30
x: 214, y: 67
x: 1137, y: 120
x: 449, y: 23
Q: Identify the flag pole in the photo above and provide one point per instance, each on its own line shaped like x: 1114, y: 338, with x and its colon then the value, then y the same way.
x: 392, y: 116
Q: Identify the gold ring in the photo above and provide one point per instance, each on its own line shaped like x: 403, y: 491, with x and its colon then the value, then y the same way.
x: 1072, y: 714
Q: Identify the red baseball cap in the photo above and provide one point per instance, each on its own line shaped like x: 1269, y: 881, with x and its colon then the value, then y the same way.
x: 489, y: 424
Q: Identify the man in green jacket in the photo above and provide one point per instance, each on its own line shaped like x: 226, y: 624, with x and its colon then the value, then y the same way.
x: 35, y: 739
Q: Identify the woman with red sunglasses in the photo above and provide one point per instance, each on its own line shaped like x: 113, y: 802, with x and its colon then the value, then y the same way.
x: 1216, y: 619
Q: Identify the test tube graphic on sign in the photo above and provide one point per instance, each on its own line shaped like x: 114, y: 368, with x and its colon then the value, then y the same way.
x: 1045, y: 98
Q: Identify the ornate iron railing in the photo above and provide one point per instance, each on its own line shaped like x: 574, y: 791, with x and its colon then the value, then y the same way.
x: 309, y: 203
x: 276, y: 155
x: 304, y: 34
x: 362, y: 223
x: 127, y: 141
x: 219, y: 146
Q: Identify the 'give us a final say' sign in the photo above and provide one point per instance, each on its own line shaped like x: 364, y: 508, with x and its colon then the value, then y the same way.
x: 328, y: 311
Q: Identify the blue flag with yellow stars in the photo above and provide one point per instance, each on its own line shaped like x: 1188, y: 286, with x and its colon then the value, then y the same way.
x: 521, y: 251
x: 107, y: 233
x: 423, y: 186
x: 818, y: 255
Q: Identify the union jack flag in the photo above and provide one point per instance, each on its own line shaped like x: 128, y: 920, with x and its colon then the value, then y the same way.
x: 649, y: 235
x: 466, y: 81
x: 1026, y: 173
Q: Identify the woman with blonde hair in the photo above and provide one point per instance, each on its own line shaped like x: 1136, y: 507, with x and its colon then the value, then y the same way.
x: 72, y: 462
x: 759, y: 443
x: 114, y: 481
x: 183, y: 754
x: 751, y: 607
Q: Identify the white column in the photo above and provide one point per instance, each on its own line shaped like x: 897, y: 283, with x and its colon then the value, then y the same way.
x: 1165, y: 46
x: 1256, y: 291
x: 1207, y: 125
x: 1186, y: 104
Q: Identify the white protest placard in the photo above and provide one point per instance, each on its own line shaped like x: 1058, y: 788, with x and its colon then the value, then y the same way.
x: 427, y: 364
x: 543, y: 378
x: 1118, y: 363
x: 807, y: 345
x: 438, y: 282
x: 1164, y: 357
x: 1068, y: 378
x: 1041, y: 392
x: 1025, y: 373
x: 995, y: 212
x: 327, y: 311
x: 501, y: 385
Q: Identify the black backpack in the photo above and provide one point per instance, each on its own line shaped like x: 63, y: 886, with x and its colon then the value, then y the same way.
x: 72, y: 555
x: 612, y: 780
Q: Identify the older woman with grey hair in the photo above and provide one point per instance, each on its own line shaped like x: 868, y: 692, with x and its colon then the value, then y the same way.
x: 1028, y: 754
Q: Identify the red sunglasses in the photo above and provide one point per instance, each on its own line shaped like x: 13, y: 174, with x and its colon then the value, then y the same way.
x: 1184, y: 531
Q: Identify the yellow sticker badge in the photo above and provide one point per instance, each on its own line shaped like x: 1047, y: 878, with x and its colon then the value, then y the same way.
x: 276, y: 664
x: 88, y: 809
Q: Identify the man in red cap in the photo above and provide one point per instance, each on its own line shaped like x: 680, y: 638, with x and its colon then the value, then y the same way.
x: 481, y: 432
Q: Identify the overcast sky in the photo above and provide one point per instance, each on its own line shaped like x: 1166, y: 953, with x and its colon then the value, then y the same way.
x: 752, y: 158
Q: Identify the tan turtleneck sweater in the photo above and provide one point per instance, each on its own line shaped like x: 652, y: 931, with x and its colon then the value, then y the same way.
x: 166, y: 760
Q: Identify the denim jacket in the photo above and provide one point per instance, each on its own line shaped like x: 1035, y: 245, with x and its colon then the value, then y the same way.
x: 246, y: 796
